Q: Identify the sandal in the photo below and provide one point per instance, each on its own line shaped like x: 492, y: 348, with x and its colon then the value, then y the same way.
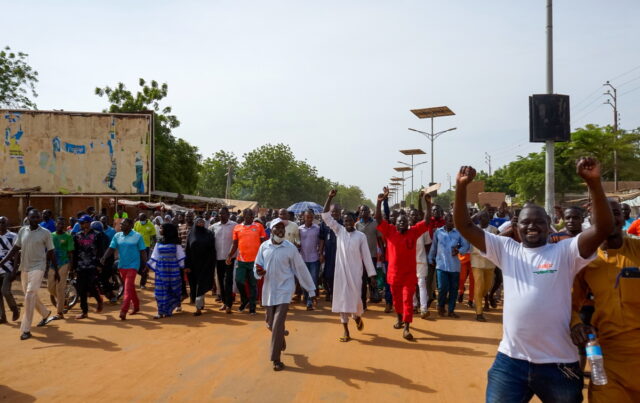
x: 159, y: 316
x: 398, y: 325
x: 345, y: 339
x: 359, y: 324
x: 278, y: 366
x: 407, y: 335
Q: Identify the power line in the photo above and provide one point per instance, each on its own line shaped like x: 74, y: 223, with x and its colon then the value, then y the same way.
x: 596, y: 91
x: 629, y: 81
x: 625, y: 73
x: 587, y: 113
x: 626, y: 92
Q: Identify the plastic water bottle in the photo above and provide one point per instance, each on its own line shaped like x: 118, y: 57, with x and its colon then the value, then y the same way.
x: 594, y: 355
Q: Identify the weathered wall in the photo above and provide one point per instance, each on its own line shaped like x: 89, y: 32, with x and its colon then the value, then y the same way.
x: 75, y: 153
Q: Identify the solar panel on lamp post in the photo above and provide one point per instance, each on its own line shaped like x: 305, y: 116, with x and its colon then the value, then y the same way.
x: 412, y: 152
x: 431, y: 113
x: 402, y: 170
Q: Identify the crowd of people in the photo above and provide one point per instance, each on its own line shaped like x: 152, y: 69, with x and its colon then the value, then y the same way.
x: 563, y: 277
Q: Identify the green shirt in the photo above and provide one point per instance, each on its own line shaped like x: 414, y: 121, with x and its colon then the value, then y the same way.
x: 147, y: 231
x: 63, y: 244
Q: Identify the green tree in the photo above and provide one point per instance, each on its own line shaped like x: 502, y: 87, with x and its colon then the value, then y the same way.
x: 176, y: 161
x: 601, y: 142
x: 272, y: 176
x: 350, y: 197
x: 212, y: 178
x: 17, y: 80
x: 525, y: 177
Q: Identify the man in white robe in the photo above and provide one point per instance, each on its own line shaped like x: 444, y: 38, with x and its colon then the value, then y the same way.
x: 351, y: 255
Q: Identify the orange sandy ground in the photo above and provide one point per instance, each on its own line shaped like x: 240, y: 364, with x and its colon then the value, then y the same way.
x: 219, y: 357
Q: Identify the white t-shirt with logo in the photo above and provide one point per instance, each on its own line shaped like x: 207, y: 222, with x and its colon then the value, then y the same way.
x: 537, y: 297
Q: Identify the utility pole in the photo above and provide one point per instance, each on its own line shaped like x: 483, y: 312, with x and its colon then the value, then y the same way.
x: 549, y: 189
x: 227, y: 192
x: 614, y: 105
x: 487, y: 159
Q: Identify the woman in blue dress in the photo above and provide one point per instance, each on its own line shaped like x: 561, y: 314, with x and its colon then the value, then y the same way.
x: 166, y: 261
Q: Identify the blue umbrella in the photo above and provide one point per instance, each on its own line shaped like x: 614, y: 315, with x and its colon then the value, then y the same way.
x: 301, y: 207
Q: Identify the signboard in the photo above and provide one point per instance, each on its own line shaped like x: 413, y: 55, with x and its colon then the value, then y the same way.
x: 433, y: 188
x: 76, y: 153
x: 473, y: 189
x: 494, y: 199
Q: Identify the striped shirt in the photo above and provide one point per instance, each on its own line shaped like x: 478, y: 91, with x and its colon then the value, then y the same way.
x: 6, y: 243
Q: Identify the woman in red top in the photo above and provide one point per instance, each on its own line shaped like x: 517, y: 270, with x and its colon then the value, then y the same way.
x: 401, y: 252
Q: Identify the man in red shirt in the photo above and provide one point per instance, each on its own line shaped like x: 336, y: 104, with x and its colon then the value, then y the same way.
x: 247, y: 238
x: 401, y: 252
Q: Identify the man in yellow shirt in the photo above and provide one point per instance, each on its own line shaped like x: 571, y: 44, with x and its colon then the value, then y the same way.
x: 616, y: 319
x: 145, y: 228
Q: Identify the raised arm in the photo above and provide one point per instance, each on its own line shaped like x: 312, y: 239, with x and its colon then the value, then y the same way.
x: 601, y: 218
x: 327, y: 204
x: 461, y: 218
x: 427, y: 203
x: 381, y: 197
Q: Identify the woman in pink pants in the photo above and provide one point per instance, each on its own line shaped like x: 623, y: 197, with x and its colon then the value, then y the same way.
x: 132, y: 257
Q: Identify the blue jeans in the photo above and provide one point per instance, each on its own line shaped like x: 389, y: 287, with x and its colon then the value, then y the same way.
x: 513, y: 380
x: 447, y: 288
x: 314, y: 270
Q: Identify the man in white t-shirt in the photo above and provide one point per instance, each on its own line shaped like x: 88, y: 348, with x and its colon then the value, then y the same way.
x: 536, y: 355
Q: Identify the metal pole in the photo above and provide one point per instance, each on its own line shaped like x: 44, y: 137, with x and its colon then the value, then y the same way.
x: 615, y: 140
x: 403, y: 186
x: 549, y: 193
x: 433, y: 157
x: 411, y: 200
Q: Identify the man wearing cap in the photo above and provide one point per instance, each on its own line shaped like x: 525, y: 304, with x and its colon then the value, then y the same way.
x: 87, y: 252
x: 279, y: 262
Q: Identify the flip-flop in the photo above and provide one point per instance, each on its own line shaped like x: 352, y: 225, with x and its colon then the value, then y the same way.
x: 360, y: 325
x: 344, y: 339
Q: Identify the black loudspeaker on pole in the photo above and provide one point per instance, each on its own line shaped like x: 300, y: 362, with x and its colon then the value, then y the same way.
x: 549, y: 118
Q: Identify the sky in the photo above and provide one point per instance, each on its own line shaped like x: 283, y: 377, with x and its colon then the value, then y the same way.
x: 336, y: 80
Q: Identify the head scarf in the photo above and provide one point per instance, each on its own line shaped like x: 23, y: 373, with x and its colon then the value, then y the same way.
x: 170, y: 234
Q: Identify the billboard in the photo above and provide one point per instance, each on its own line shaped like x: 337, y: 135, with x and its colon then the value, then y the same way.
x: 76, y: 153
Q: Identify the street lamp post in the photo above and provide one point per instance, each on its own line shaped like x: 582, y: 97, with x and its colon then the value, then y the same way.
x: 402, y: 170
x: 432, y: 113
x: 412, y: 153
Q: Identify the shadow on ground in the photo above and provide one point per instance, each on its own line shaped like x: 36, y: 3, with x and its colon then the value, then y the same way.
x: 349, y: 375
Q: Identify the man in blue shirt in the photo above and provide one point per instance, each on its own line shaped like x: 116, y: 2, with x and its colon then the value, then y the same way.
x: 47, y: 221
x: 447, y: 243
x: 132, y: 254
x: 108, y: 231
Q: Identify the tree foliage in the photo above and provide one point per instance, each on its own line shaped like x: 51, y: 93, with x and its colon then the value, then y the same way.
x: 17, y: 80
x: 350, y: 197
x: 177, y: 163
x: 271, y: 175
x: 525, y: 177
x: 212, y: 178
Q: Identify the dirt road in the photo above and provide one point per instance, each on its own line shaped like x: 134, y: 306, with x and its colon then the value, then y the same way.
x: 219, y: 357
